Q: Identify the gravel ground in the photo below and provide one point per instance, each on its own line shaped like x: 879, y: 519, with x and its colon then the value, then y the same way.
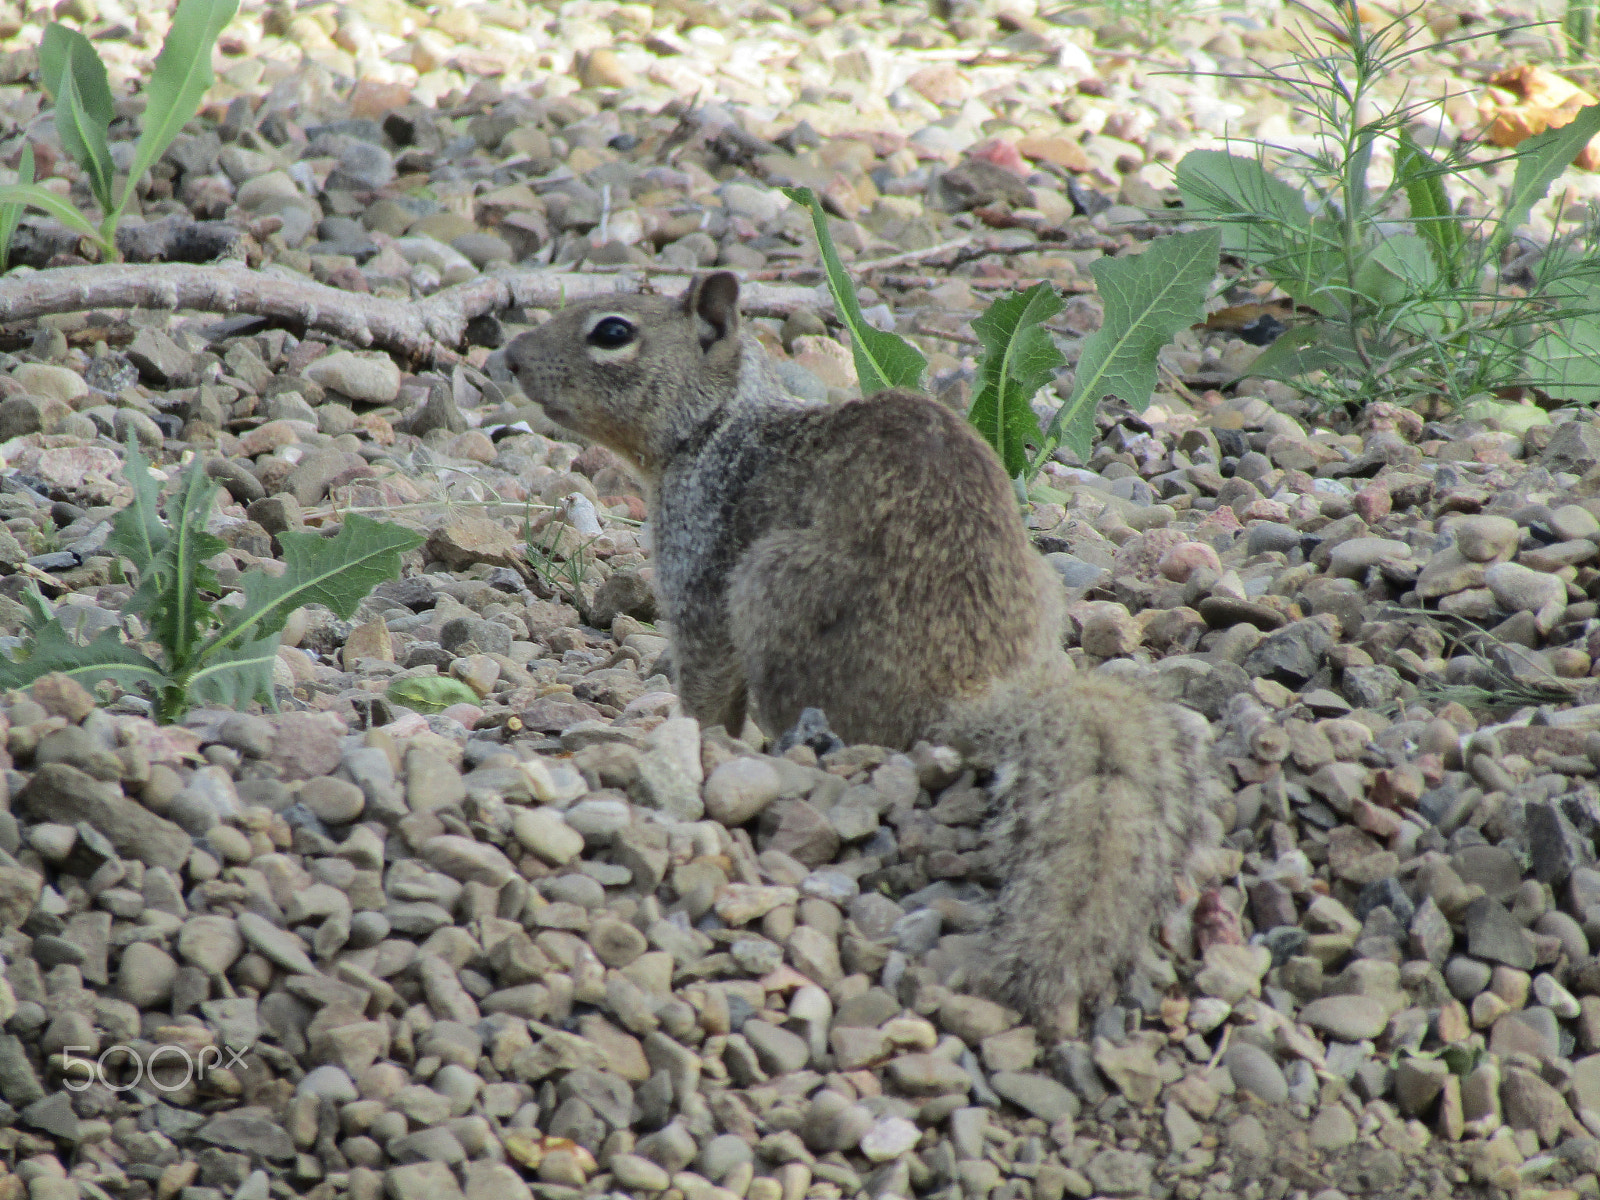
x: 562, y: 941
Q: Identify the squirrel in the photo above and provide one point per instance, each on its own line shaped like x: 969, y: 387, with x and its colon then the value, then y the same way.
x: 868, y: 559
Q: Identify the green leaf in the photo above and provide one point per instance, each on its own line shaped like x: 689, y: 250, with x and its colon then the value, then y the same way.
x: 1514, y: 418
x: 429, y: 694
x: 1541, y: 160
x: 1019, y: 358
x: 1258, y: 212
x: 1431, y: 213
x: 1565, y: 361
x: 244, y: 676
x: 336, y: 572
x: 1399, y: 268
x: 1265, y: 222
x: 883, y: 360
x: 138, y: 533
x: 180, y: 616
x: 179, y: 83
x: 31, y: 195
x: 52, y: 648
x: 1147, y: 299
x: 11, y: 214
x: 1303, y: 349
x: 75, y: 78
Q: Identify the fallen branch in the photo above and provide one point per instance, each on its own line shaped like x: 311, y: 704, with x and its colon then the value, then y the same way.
x: 422, y: 330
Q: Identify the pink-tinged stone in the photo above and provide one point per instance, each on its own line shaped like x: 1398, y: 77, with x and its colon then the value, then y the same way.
x: 468, y: 714
x: 471, y: 445
x: 1140, y: 555
x: 1385, y: 415
x: 407, y: 725
x: 160, y: 743
x: 1373, y: 501
x: 264, y: 439
x: 1219, y: 520
x: 1266, y: 510
x: 1379, y: 822
x: 1185, y: 558
x: 1001, y: 154
x: 376, y: 427
x: 1215, y: 924
x: 943, y: 83
x: 92, y: 471
x: 308, y: 744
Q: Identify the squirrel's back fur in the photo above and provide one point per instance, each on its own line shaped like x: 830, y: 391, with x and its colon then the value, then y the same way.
x: 868, y: 559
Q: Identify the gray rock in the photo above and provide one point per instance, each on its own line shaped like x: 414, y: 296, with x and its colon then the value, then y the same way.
x: 1349, y: 1018
x: 1039, y: 1095
x: 61, y: 793
x: 161, y: 361
x: 1485, y: 538
x: 1292, y: 654
x: 278, y: 946
x: 1554, y: 843
x: 778, y: 1050
x: 1494, y: 934
x: 1255, y: 1071
x: 1574, y: 447
x: 1519, y: 589
x: 740, y: 789
x: 1120, y: 1172
x: 1418, y: 1082
x: 250, y: 1130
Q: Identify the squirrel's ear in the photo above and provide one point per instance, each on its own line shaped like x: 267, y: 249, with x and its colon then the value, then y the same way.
x: 714, y: 300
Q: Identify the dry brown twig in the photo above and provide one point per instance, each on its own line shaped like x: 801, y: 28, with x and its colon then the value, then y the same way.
x: 423, y: 330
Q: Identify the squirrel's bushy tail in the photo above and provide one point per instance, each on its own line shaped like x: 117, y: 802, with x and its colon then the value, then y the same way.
x: 1100, y: 795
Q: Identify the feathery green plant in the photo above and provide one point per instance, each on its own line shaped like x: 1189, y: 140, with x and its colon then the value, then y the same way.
x: 1401, y: 289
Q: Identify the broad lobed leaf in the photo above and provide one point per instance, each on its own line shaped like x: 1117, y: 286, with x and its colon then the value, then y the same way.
x: 52, y: 648
x: 245, y: 675
x: 138, y: 533
x: 1147, y: 299
x: 1541, y: 160
x: 336, y: 572
x: 1020, y: 357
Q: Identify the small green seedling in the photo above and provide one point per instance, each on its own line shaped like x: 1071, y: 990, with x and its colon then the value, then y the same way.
x: 75, y: 79
x: 209, y: 652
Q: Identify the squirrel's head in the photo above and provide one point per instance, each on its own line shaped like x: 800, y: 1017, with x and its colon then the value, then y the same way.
x: 637, y: 374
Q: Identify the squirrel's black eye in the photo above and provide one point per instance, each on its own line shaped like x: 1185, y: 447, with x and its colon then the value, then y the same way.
x: 612, y: 333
